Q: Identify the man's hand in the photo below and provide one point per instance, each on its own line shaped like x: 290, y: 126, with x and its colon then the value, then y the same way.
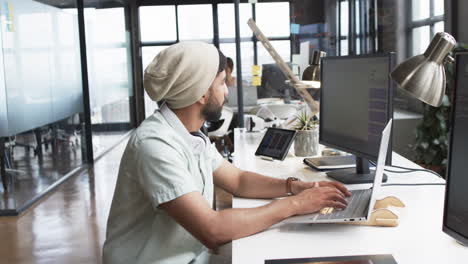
x: 299, y: 186
x: 314, y: 199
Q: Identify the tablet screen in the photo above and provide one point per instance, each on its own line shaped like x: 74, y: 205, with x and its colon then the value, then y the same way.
x: 276, y: 143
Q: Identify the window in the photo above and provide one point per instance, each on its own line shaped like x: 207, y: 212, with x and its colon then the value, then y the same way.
x: 108, y: 56
x: 227, y: 34
x: 147, y: 56
x: 278, y: 29
x: 356, y: 32
x: 283, y: 47
x: 109, y: 74
x: 344, y: 27
x: 227, y: 27
x: 149, y: 53
x: 195, y: 22
x: 164, y: 25
x: 426, y: 19
x: 247, y: 56
x: 420, y: 35
x: 420, y: 9
x: 273, y: 19
x: 358, y: 26
x: 158, y: 23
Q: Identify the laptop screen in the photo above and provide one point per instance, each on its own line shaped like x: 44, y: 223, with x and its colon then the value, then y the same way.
x: 380, y: 165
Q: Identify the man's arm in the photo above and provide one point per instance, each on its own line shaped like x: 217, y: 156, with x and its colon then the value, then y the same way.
x: 253, y: 185
x: 214, y: 228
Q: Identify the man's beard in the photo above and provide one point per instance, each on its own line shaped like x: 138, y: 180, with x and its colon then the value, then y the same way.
x: 213, y: 109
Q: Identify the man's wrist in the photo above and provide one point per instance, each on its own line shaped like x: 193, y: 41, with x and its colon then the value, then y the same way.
x: 291, y: 186
x: 299, y: 186
x: 294, y: 205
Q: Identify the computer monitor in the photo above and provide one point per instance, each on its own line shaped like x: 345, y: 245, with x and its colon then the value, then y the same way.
x: 355, y: 105
x: 455, y: 221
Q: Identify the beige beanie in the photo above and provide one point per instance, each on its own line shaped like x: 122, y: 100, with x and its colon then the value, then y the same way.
x: 182, y: 73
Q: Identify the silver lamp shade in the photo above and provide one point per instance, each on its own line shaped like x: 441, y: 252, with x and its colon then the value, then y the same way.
x: 423, y: 76
x: 312, y: 72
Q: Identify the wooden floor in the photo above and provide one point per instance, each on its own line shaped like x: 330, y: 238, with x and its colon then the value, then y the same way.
x: 33, y: 175
x: 68, y: 226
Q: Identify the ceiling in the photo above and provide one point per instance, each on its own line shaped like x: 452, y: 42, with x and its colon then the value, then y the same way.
x: 87, y: 3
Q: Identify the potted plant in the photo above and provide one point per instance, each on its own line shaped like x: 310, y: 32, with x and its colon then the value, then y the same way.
x: 306, y: 141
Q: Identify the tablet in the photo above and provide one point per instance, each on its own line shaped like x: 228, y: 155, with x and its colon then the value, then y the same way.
x: 366, y: 259
x: 276, y: 143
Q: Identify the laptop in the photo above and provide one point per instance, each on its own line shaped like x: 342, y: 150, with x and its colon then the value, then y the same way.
x: 361, y: 202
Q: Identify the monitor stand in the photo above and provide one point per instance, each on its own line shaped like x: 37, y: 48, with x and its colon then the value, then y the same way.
x: 358, y: 175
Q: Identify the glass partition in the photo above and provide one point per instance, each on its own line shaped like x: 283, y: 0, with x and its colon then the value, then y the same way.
x: 41, y: 100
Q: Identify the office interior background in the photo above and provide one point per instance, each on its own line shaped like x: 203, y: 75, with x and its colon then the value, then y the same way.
x: 72, y: 91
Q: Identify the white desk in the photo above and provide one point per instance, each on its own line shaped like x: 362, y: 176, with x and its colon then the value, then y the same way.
x: 418, y: 238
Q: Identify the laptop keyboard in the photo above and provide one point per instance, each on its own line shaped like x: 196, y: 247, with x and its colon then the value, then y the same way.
x: 357, y: 207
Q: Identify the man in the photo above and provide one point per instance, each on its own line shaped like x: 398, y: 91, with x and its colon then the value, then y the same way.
x: 230, y: 80
x: 161, y: 211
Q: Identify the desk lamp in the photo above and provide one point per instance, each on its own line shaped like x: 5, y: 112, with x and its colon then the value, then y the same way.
x: 423, y: 76
x: 312, y: 72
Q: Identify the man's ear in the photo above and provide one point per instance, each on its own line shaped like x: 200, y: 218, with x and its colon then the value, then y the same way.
x: 204, y: 99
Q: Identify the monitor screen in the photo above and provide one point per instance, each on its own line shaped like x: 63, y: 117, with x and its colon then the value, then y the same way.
x: 274, y: 83
x: 356, y: 103
x: 456, y: 196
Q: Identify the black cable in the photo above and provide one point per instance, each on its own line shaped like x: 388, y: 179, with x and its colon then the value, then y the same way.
x: 408, y: 170
x: 415, y: 170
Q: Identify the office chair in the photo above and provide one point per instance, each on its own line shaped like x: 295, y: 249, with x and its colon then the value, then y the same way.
x: 222, y: 129
x: 56, y: 136
x: 7, y: 171
x: 218, y: 132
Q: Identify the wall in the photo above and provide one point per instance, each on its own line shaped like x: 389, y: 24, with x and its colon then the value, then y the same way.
x: 456, y: 20
x: 3, y: 104
x: 307, y: 12
x: 462, y: 29
x: 313, y: 16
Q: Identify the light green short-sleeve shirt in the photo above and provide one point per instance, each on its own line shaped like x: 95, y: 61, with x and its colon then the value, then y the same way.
x: 161, y: 162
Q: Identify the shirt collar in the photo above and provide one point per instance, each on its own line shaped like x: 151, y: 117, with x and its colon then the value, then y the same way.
x: 196, y: 144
